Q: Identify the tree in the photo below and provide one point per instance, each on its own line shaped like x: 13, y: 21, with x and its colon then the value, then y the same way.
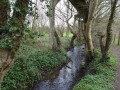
x: 12, y: 33
x: 55, y: 43
x: 105, y: 48
x: 89, y: 43
x: 74, y: 27
x: 3, y: 21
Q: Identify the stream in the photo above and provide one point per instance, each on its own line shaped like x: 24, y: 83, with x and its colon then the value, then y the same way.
x: 68, y: 75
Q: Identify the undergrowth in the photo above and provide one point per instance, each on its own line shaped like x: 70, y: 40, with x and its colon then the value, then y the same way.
x: 29, y: 63
x: 101, y: 77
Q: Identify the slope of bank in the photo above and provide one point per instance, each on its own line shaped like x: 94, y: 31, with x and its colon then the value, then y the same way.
x: 32, y: 65
x: 101, y: 76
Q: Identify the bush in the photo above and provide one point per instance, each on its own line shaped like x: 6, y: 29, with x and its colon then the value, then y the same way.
x: 28, y: 66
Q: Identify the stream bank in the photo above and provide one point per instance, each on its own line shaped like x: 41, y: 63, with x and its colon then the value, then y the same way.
x: 66, y: 78
x: 99, y: 76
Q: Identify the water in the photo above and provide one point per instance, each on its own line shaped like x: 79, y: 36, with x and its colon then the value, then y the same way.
x: 67, y: 75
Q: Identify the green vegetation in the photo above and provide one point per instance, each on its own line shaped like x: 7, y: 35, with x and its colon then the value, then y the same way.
x: 116, y: 41
x: 29, y: 65
x: 78, y: 43
x: 69, y: 35
x: 101, y: 77
x: 34, y: 34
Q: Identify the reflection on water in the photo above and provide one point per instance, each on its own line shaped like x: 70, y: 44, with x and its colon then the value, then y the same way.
x: 68, y: 74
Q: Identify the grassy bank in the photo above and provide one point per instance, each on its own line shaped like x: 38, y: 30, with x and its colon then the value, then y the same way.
x: 30, y: 65
x: 101, y: 77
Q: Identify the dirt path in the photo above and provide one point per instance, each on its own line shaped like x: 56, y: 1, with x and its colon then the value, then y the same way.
x: 116, y: 50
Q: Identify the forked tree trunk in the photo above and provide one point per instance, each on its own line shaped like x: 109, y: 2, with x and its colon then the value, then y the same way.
x: 7, y: 55
x: 72, y: 41
x: 109, y: 33
x: 73, y: 32
x: 55, y: 43
x: 89, y: 43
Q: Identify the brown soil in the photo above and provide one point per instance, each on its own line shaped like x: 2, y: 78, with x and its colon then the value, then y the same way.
x: 116, y: 50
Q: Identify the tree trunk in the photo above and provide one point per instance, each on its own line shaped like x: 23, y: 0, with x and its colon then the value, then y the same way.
x: 3, y: 21
x: 7, y: 55
x: 5, y: 63
x: 119, y: 39
x: 72, y: 41
x: 55, y: 43
x: 72, y: 30
x: 3, y: 14
x: 109, y: 32
x: 58, y: 41
x: 83, y: 30
x: 79, y: 30
x: 61, y: 31
x: 102, y: 47
x: 89, y: 43
x: 34, y: 23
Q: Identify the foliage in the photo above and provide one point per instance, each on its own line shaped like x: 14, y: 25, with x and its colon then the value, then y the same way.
x: 102, y: 78
x: 14, y: 28
x: 47, y: 59
x: 28, y: 66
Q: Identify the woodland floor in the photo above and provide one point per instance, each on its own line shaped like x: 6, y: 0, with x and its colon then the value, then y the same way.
x: 116, y: 50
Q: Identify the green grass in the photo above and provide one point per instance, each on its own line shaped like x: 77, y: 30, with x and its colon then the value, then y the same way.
x: 116, y: 41
x: 69, y: 35
x: 43, y: 42
x: 29, y: 65
x: 102, y: 78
